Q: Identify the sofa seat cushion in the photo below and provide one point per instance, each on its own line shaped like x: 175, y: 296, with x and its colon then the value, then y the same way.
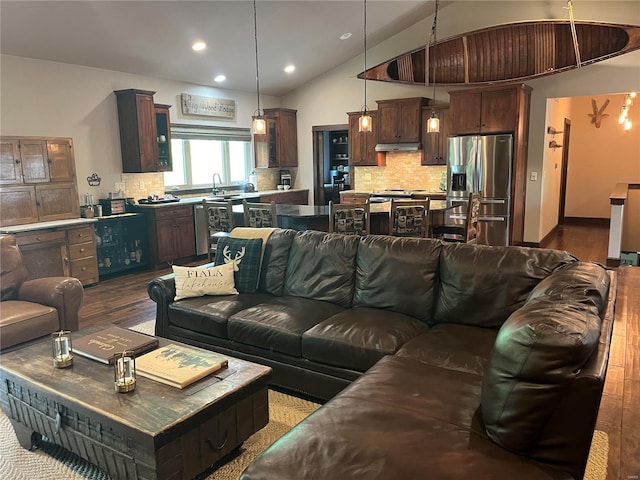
x: 209, y: 314
x: 278, y: 323
x: 403, y: 419
x: 23, y: 321
x: 482, y: 285
x: 359, y: 337
x: 455, y: 347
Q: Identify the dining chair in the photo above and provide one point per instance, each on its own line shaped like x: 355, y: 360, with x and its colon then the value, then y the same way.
x: 409, y: 218
x: 260, y: 215
x: 220, y: 222
x: 466, y: 232
x: 349, y: 218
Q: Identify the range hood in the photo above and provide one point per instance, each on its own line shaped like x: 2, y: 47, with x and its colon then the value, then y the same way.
x: 398, y: 147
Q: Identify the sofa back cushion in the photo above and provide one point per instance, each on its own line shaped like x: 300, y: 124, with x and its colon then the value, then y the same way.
x: 13, y: 273
x: 274, y: 261
x: 482, y: 286
x: 397, y: 274
x: 538, y: 353
x: 322, y: 267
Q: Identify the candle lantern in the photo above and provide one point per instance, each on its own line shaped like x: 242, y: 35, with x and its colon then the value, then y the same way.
x: 61, y: 349
x: 124, y: 371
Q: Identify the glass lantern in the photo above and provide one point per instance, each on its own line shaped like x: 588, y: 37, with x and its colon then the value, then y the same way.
x: 124, y: 372
x: 61, y: 349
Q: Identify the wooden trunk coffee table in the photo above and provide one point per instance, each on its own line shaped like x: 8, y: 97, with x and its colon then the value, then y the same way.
x: 154, y: 432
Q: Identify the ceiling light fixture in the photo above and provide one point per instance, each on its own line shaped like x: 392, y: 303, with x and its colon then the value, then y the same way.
x: 433, y: 124
x: 259, y: 122
x: 345, y: 36
x: 624, y: 118
x: 198, y: 46
x: 290, y: 68
x: 220, y: 78
x: 364, y: 122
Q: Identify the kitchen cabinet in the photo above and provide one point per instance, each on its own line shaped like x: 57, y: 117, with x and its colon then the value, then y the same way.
x: 362, y: 145
x: 122, y: 243
x: 63, y: 251
x: 296, y: 197
x: 399, y: 120
x: 171, y: 233
x: 37, y: 180
x: 278, y: 147
x: 434, y: 145
x: 499, y: 109
x: 489, y: 110
x: 140, y: 122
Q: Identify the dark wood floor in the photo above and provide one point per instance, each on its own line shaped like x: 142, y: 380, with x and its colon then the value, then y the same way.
x: 124, y: 300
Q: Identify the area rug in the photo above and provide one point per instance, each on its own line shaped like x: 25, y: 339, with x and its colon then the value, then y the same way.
x: 54, y: 463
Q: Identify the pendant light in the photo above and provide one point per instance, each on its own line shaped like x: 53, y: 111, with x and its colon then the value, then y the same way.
x: 259, y: 122
x: 433, y: 124
x: 364, y: 122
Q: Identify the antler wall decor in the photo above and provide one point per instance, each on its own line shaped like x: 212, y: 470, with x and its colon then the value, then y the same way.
x: 598, y: 114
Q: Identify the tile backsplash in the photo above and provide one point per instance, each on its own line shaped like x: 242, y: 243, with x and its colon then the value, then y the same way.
x: 140, y: 185
x: 402, y: 171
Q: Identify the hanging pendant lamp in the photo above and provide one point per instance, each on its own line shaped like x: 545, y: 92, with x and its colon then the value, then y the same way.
x: 433, y: 124
x: 259, y: 122
x: 364, y: 122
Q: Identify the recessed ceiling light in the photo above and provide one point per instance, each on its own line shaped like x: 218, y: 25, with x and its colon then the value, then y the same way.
x: 220, y: 78
x: 289, y: 68
x: 345, y: 36
x: 199, y: 46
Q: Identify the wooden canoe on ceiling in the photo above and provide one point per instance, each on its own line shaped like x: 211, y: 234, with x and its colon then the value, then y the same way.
x: 509, y: 53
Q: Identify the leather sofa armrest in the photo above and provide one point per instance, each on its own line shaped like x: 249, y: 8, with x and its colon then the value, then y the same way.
x: 162, y: 290
x: 65, y: 294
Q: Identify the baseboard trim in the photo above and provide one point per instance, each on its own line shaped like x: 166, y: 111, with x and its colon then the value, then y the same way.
x: 613, y: 262
x: 547, y: 238
x: 531, y: 244
x: 589, y: 222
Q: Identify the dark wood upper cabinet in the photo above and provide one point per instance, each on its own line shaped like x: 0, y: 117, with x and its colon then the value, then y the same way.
x: 140, y: 122
x: 399, y: 120
x: 488, y: 111
x: 279, y: 146
x: 434, y: 145
x: 362, y: 145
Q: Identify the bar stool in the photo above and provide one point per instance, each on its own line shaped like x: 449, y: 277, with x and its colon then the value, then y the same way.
x: 350, y: 218
x: 409, y: 218
x: 260, y: 215
x: 220, y: 222
x: 466, y: 232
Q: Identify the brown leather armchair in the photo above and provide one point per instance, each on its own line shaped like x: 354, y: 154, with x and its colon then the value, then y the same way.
x: 31, y: 309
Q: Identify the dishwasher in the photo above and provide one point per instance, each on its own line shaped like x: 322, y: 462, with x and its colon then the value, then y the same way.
x: 202, y: 230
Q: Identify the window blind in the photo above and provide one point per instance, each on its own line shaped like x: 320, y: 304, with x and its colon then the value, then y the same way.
x: 206, y: 132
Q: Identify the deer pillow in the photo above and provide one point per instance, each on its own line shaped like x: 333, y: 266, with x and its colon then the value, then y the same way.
x: 246, y: 255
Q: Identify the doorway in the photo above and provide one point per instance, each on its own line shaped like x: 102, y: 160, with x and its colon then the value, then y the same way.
x: 564, y: 168
x: 330, y: 161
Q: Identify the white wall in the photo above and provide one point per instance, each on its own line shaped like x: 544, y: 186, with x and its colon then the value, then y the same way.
x: 40, y: 98
x: 326, y: 99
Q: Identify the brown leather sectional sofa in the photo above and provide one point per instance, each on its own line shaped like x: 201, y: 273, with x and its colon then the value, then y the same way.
x: 481, y: 362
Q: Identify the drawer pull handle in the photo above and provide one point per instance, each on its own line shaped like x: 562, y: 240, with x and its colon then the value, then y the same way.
x: 39, y: 238
x: 82, y: 250
x: 224, y: 442
x: 84, y: 269
x: 58, y: 423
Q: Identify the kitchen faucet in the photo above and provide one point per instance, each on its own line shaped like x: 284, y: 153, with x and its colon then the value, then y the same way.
x: 215, y: 189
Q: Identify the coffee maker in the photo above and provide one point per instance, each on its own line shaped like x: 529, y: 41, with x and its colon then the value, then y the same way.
x: 285, y: 177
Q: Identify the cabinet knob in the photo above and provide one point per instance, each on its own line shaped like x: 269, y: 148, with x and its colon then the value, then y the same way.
x: 17, y: 161
x: 49, y: 161
x: 84, y: 269
x: 82, y: 250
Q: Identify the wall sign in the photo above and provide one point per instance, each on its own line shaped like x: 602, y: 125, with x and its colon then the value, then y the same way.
x: 209, y: 106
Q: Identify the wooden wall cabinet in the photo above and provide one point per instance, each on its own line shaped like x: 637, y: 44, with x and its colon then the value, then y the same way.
x: 279, y: 146
x: 171, y: 233
x: 141, y: 123
x: 65, y: 251
x: 362, y: 145
x: 492, y: 110
x: 499, y: 109
x: 298, y: 197
x: 399, y: 120
x: 37, y: 180
x: 434, y: 145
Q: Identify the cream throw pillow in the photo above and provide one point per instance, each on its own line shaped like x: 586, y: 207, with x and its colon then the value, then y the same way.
x: 200, y: 281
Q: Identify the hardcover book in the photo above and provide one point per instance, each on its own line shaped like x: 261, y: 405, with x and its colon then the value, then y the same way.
x: 178, y: 365
x: 106, y: 344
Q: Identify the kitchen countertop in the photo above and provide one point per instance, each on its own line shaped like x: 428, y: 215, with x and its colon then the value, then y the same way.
x: 389, y: 193
x: 240, y: 195
x: 32, y: 227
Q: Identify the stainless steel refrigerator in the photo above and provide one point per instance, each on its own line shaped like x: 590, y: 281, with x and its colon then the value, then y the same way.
x: 482, y: 163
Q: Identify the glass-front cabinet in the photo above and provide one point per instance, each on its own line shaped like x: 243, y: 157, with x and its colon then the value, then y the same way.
x: 121, y: 242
